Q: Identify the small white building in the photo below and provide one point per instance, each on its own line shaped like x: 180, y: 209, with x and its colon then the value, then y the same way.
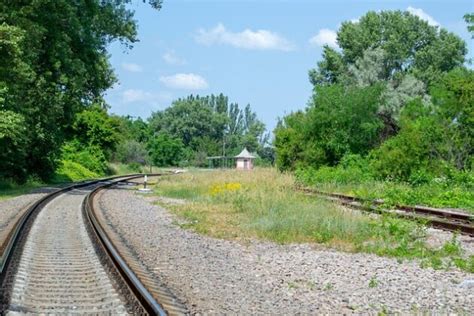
x: 244, y: 160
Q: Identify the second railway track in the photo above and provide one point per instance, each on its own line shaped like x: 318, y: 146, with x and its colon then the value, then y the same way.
x: 450, y: 220
x: 61, y: 264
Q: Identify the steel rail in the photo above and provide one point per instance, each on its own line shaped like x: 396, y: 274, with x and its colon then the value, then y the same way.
x: 440, y: 218
x: 146, y: 299
x: 13, y: 237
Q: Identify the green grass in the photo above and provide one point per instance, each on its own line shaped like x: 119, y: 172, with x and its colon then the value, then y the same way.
x: 9, y: 189
x: 121, y: 168
x: 67, y: 172
x: 401, y: 193
x: 70, y: 171
x: 263, y: 204
x: 456, y: 191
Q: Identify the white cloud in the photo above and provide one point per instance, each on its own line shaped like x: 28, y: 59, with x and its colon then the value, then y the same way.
x: 172, y: 59
x: 136, y: 95
x: 132, y: 67
x: 248, y: 39
x: 423, y: 15
x: 325, y: 37
x: 185, y: 81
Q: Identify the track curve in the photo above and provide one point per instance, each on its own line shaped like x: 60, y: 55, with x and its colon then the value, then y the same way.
x: 56, y: 263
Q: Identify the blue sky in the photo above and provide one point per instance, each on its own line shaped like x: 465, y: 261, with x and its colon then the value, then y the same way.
x: 256, y: 52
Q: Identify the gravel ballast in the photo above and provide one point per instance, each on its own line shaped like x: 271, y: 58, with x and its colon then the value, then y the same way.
x: 12, y: 209
x: 227, y: 277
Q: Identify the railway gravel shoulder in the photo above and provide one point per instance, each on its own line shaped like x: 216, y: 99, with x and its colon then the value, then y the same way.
x: 219, y: 276
x: 12, y: 209
x: 57, y: 268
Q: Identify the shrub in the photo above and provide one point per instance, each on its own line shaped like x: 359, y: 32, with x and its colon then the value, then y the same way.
x: 91, y: 157
x: 352, y: 169
x: 72, y: 171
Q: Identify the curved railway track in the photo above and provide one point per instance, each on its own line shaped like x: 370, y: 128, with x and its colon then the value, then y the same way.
x: 59, y: 259
x: 450, y: 220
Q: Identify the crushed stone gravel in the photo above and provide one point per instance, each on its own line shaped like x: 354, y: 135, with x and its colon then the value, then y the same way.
x: 11, y: 209
x: 213, y: 276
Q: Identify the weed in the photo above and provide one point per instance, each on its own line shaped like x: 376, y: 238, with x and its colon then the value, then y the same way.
x: 292, y: 285
x: 373, y: 282
x: 264, y: 204
x: 328, y: 286
x: 311, y: 285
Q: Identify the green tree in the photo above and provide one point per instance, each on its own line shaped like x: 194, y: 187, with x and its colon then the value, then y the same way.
x: 131, y: 151
x: 94, y: 127
x: 61, y: 59
x: 433, y: 139
x: 210, y: 126
x: 290, y: 141
x: 165, y: 150
x: 12, y: 143
x: 411, y: 46
x: 469, y: 18
x: 338, y: 121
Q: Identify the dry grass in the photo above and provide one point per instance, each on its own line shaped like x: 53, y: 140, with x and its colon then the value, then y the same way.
x: 261, y: 203
x: 240, y: 205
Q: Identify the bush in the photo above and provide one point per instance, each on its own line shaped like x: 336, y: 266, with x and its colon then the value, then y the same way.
x: 166, y: 150
x: 352, y: 169
x: 73, y: 171
x: 131, y: 151
x: 90, y: 157
x: 135, y: 167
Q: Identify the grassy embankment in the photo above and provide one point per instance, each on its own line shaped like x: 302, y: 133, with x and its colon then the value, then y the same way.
x: 263, y: 204
x: 68, y: 172
x: 456, y: 191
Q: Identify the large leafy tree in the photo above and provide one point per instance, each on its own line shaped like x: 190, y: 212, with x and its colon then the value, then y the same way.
x: 211, y: 125
x: 436, y: 138
x: 166, y: 150
x: 411, y: 46
x: 339, y: 120
x: 469, y: 18
x: 63, y: 63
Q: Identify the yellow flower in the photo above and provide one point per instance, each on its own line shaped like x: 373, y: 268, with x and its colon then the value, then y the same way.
x: 223, y: 188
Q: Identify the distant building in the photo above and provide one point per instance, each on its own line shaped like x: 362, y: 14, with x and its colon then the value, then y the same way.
x: 244, y: 160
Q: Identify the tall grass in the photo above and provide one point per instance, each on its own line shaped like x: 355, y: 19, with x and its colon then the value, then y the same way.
x: 456, y: 191
x: 9, y: 188
x: 263, y: 204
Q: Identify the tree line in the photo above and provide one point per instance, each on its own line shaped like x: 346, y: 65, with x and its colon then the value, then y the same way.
x: 53, y: 66
x: 54, y: 71
x: 396, y: 99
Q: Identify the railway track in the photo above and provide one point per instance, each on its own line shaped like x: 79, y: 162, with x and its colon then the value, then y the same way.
x: 450, y: 220
x: 59, y: 259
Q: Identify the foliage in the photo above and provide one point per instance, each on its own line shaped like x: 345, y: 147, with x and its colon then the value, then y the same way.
x: 131, y: 151
x: 94, y: 128
x: 12, y: 143
x: 90, y: 157
x: 410, y: 43
x: 428, y: 139
x: 10, y: 188
x: 210, y: 126
x: 353, y: 169
x: 469, y: 18
x: 454, y: 189
x: 70, y: 171
x: 166, y: 150
x: 338, y: 121
x: 419, y: 148
x: 52, y: 70
x: 263, y: 204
